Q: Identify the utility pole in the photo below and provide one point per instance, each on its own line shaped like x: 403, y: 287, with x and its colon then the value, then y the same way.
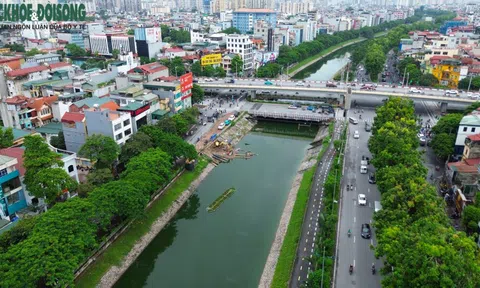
x: 408, y: 76
x: 348, y: 71
x: 469, y: 83
x: 404, y: 72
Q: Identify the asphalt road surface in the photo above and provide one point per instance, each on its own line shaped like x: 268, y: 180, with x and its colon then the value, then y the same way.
x: 310, y: 228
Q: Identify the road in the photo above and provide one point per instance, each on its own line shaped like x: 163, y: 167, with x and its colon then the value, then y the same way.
x: 310, y: 227
x: 381, y: 88
x: 355, y: 250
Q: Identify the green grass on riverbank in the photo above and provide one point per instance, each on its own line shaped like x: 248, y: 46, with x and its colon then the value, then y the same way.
x: 329, y: 50
x: 284, y: 267
x: 114, y: 254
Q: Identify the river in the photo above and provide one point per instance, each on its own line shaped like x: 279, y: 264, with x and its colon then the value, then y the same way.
x: 326, y: 68
x: 228, y: 247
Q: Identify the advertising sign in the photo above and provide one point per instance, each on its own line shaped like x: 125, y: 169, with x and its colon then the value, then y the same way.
x: 211, y: 59
x: 153, y: 34
x: 186, y: 85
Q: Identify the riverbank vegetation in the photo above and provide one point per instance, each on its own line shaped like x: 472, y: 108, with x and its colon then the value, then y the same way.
x: 49, y: 252
x: 413, y: 221
x: 286, y: 259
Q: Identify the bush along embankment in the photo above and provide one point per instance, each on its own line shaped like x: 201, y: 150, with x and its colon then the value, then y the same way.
x: 325, y: 242
x: 418, y: 246
x: 46, y: 251
x: 286, y: 259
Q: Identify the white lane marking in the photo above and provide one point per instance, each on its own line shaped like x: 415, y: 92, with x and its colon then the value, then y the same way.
x: 371, y: 241
x: 304, y: 249
x: 353, y: 262
x: 368, y: 190
x: 354, y: 219
x: 306, y: 241
x: 308, y: 225
x: 308, y: 232
x: 298, y: 278
x: 354, y: 202
x: 315, y: 230
x: 370, y: 221
x: 312, y: 250
x: 313, y: 244
x: 307, y: 275
x: 301, y: 268
x: 315, y: 233
x: 353, y: 239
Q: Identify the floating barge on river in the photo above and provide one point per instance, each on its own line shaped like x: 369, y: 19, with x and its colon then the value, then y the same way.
x: 214, y: 206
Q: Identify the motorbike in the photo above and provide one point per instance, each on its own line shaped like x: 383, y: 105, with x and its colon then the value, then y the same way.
x: 350, y: 269
x: 360, y: 116
x: 373, y: 269
x: 349, y: 233
x: 348, y: 187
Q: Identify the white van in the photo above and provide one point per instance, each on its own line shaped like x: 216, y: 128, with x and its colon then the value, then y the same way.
x: 378, y: 206
x: 353, y: 120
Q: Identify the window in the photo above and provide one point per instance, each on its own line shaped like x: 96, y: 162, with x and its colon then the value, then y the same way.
x: 3, y: 172
x: 119, y: 136
x: 473, y: 129
x: 126, y: 122
x: 464, y: 129
x: 445, y: 53
x: 128, y: 132
x: 70, y: 168
x: 13, y: 198
x: 118, y: 126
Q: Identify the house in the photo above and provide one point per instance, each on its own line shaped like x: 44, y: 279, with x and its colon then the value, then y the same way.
x: 448, y: 72
x: 19, y: 135
x: 469, y: 125
x: 44, y: 58
x: 16, y: 78
x: 12, y: 194
x: 114, y: 124
x: 227, y: 62
x: 147, y: 72
x: 36, y: 112
x: 87, y: 103
x: 74, y: 130
x: 174, y: 52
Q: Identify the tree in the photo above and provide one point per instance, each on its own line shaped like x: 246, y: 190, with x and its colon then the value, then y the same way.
x: 75, y: 50
x: 15, y: 47
x: 43, y: 178
x: 237, y: 64
x: 472, y: 107
x: 101, y: 149
x: 231, y: 30
x: 18, y: 233
x: 58, y: 141
x: 474, y: 85
x: 196, y: 69
x: 130, y: 32
x: 181, y: 124
x: 139, y: 143
x: 100, y: 176
x: 172, y: 144
x: 448, y: 124
x: 208, y: 71
x: 153, y: 157
x: 471, y: 217
x: 427, y: 80
x: 197, y: 94
x: 220, y: 72
x: 6, y: 137
x: 413, y: 73
x: 405, y: 62
x: 32, y: 52
x: 115, y: 53
x: 443, y: 144
x: 374, y: 60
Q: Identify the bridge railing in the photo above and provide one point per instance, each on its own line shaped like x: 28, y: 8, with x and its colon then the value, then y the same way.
x: 291, y: 116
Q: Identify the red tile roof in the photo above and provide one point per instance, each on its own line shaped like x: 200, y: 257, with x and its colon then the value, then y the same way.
x: 463, y: 167
x: 472, y: 161
x: 59, y: 65
x: 110, y: 105
x: 26, y: 71
x: 15, y: 152
x: 37, y: 103
x: 475, y: 137
x: 15, y: 100
x: 150, y: 68
x: 174, y: 49
x: 72, y: 117
x: 10, y: 59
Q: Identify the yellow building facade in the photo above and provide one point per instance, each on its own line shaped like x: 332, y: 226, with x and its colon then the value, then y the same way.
x: 448, y: 72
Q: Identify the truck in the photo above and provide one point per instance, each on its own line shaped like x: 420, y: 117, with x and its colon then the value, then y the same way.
x: 363, y: 167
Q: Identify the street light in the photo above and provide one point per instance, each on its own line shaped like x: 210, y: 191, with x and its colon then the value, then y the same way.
x: 469, y: 83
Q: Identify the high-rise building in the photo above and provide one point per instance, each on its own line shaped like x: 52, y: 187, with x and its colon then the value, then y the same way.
x: 245, y: 18
x: 294, y: 8
x: 259, y: 4
x: 243, y: 46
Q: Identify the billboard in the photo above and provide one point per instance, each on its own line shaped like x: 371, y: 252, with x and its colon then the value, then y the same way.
x: 211, y: 59
x: 153, y: 35
x: 186, y: 85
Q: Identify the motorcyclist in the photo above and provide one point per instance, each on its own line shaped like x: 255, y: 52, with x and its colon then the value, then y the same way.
x: 373, y: 268
x: 349, y: 232
x: 351, y: 269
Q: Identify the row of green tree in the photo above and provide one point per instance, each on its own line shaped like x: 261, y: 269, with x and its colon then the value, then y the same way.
x: 236, y: 67
x: 419, y: 246
x: 45, y: 250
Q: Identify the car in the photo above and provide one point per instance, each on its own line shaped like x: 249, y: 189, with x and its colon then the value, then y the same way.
x: 221, y: 126
x: 370, y: 88
x: 292, y: 107
x: 368, y: 128
x: 227, y: 122
x: 420, y: 135
x: 423, y: 141
x: 416, y: 91
x: 209, y: 80
x: 331, y: 84
x: 366, y: 231
x: 362, y: 200
x: 299, y: 84
x: 371, y: 178
x: 356, y: 135
x: 268, y: 83
x: 451, y: 93
x: 231, y: 118
x: 195, y: 81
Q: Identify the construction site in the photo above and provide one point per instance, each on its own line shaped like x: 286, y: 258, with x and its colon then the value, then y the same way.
x: 220, y: 146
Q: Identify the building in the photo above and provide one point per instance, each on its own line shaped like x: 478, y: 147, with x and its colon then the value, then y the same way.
x: 16, y: 78
x: 243, y: 46
x: 469, y: 125
x: 448, y: 72
x: 28, y: 113
x: 74, y: 130
x: 147, y: 73
x: 259, y: 4
x: 447, y: 25
x: 295, y: 8
x: 43, y: 58
x: 174, y: 52
x: 87, y: 103
x: 114, y: 124
x: 106, y: 43
x: 177, y: 94
x: 72, y: 37
x: 12, y: 194
x: 148, y: 41
x: 245, y: 18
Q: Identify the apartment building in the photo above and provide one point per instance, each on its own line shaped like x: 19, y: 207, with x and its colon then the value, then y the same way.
x: 12, y: 194
x: 245, y: 18
x: 105, y: 44
x: 114, y: 124
x: 295, y: 8
x: 243, y: 46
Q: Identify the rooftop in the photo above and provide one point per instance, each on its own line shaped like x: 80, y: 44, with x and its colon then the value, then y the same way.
x: 471, y: 120
x: 50, y: 128
x: 15, y: 152
x: 26, y: 71
x: 17, y: 133
x: 5, y: 159
x: 132, y: 106
x: 249, y: 10
x: 89, y: 102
